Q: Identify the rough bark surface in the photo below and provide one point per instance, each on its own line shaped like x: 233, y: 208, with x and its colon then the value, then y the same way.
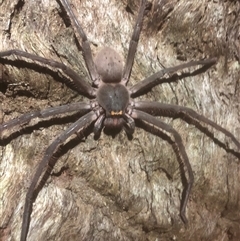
x: 117, y: 189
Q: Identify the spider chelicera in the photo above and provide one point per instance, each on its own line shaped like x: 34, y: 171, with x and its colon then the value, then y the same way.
x: 112, y: 106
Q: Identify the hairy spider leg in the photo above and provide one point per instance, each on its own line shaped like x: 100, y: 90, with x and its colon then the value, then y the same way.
x: 148, y: 83
x: 80, y: 125
x: 186, y: 114
x: 79, y: 107
x: 133, y: 43
x: 152, y: 125
x: 87, y: 53
x: 79, y: 83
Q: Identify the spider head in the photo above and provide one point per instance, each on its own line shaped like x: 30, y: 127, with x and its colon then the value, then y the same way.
x: 114, y: 99
x: 109, y: 65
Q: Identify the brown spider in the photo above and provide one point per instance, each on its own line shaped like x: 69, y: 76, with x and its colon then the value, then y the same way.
x: 112, y: 106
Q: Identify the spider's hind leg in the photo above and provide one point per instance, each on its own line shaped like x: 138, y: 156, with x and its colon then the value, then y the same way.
x: 79, y: 83
x: 134, y: 42
x: 87, y: 53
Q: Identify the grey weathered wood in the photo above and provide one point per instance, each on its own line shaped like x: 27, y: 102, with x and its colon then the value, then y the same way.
x: 115, y: 189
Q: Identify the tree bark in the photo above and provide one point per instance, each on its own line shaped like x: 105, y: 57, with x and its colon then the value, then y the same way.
x: 115, y: 188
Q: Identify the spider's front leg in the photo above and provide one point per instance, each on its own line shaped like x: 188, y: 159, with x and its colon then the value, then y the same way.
x: 157, y: 127
x: 80, y: 107
x: 45, y: 167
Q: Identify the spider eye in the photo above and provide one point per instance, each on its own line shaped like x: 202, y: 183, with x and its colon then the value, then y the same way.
x: 116, y: 113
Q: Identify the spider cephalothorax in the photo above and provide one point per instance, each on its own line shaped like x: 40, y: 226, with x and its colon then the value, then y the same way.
x: 112, y: 105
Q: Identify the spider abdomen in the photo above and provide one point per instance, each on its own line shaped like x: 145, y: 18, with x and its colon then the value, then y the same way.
x: 113, y: 98
x: 109, y: 65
